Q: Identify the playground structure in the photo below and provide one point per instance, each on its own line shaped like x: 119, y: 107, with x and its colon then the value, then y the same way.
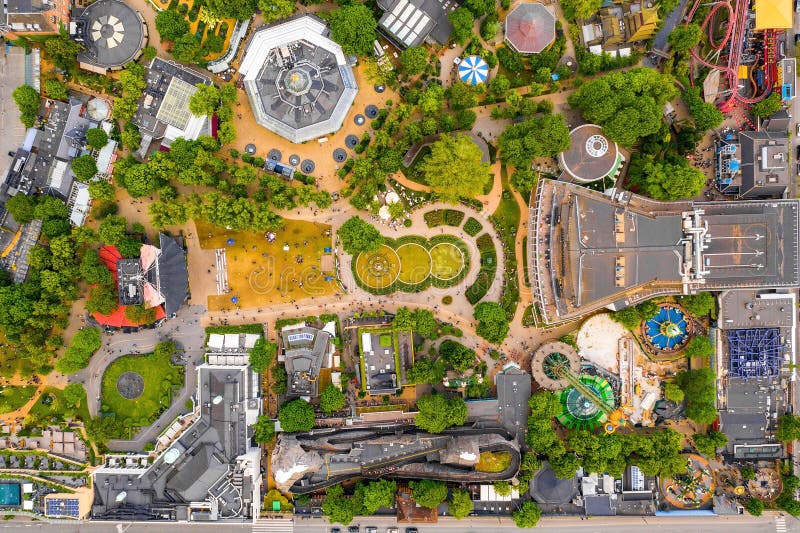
x: 727, y: 54
x: 667, y: 331
x: 691, y: 489
x: 587, y: 400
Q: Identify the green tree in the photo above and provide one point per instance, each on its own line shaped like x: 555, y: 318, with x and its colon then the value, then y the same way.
x: 171, y: 25
x: 543, y: 136
x: 492, y: 322
x: 149, y: 52
x: 205, y: 101
x: 709, y: 443
x: 264, y: 429
x: 130, y: 136
x: 331, y: 400
x: 96, y: 138
x: 489, y: 27
x: 667, y: 181
x: 84, y: 167
x: 337, y: 507
x: 187, y: 49
x: 354, y: 27
x: 437, y: 413
x: 359, y: 236
x: 101, y: 190
x: 62, y: 51
x: 76, y: 357
x: 425, y: 371
x: 699, y: 347
x: 768, y: 106
x: 457, y: 355
x: 460, y: 504
x: 275, y: 9
x: 413, y: 60
x: 628, y: 105
x: 21, y: 207
x: 454, y: 168
x: 296, y: 415
x: 502, y: 488
x: 748, y: 472
x: 378, y: 494
x: 788, y: 428
x: 706, y: 116
x: 673, y: 392
x: 700, y: 304
x: 580, y: 9
x: 462, y: 21
x: 261, y: 355
x: 27, y: 100
x: 424, y: 323
x: 684, y: 38
x: 140, y: 314
x: 428, y: 493
x: 754, y: 506
x: 55, y: 89
x: 527, y: 516
x: 239, y: 10
x: 74, y: 395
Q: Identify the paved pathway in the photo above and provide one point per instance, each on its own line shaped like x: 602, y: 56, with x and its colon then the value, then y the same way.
x: 185, y: 330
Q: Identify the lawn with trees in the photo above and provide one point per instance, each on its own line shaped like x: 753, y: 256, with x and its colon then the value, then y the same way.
x: 358, y: 236
x: 454, y: 169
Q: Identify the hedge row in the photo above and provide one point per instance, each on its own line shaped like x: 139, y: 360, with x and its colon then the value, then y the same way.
x: 488, y: 254
x: 443, y: 217
x: 472, y: 227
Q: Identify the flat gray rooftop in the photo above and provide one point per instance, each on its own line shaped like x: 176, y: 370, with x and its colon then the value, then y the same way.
x: 112, y: 34
x: 743, y: 309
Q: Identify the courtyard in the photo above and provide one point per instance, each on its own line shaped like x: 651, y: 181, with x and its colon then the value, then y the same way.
x: 136, y: 388
x: 255, y: 269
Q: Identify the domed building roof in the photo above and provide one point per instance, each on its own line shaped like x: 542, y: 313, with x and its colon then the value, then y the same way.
x: 530, y: 28
x: 112, y: 33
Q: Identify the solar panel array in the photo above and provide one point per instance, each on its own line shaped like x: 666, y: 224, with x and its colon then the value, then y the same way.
x: 62, y: 507
x: 406, y: 22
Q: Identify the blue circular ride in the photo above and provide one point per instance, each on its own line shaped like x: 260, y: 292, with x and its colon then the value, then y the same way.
x: 668, y: 330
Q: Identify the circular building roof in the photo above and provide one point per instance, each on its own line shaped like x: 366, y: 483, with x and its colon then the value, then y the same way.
x: 591, y: 156
x: 299, y: 83
x: 113, y: 33
x: 473, y: 70
x: 551, y: 362
x: 530, y: 28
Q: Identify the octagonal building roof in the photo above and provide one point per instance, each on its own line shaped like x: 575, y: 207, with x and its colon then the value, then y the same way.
x: 530, y: 28
x: 298, y: 81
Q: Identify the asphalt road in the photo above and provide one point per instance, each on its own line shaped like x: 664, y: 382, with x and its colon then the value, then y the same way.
x: 738, y: 524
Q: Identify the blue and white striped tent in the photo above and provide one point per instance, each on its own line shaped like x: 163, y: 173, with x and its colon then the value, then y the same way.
x: 473, y: 70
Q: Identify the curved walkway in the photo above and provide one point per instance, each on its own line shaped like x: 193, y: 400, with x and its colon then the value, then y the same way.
x: 185, y: 330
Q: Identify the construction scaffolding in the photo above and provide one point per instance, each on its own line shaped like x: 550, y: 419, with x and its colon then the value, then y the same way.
x: 755, y: 352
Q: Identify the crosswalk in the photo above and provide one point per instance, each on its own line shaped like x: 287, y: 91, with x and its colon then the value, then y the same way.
x: 273, y: 525
x: 780, y: 524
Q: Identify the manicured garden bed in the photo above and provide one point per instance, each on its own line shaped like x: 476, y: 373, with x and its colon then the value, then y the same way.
x: 472, y: 227
x: 411, y: 264
x: 443, y: 217
x: 486, y: 274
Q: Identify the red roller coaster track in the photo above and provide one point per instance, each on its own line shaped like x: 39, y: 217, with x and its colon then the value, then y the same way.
x: 734, y: 38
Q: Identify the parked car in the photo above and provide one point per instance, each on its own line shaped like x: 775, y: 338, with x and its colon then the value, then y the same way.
x: 353, y: 529
x: 335, y: 530
x: 371, y: 529
x: 412, y: 530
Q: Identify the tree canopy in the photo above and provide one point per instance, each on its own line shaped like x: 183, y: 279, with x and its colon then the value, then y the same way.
x: 454, y: 168
x: 205, y: 101
x: 378, y: 494
x: 296, y: 415
x: 331, y: 400
x: 84, y: 167
x: 663, y: 180
x: 709, y: 443
x: 96, y: 138
x: 425, y: 371
x: 700, y: 394
x: 580, y: 9
x: 544, y: 136
x: 239, y: 10
x: 527, y: 515
x: 457, y: 355
x: 27, y: 100
x: 413, y: 60
x: 262, y: 354
x: 673, y: 392
x: 428, y: 493
x: 684, y: 38
x: 700, y: 304
x: 170, y: 25
x: 359, y: 236
x: 492, y: 322
x: 628, y: 105
x: 354, y: 27
x: 768, y: 106
x: 264, y: 429
x: 21, y: 207
x: 462, y: 20
x: 55, y: 89
x: 85, y: 342
x: 437, y: 413
x: 460, y: 504
x: 699, y: 347
x: 275, y: 9
x: 788, y: 428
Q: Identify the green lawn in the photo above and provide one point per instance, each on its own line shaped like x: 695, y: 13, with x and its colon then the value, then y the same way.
x: 51, y: 407
x: 13, y: 397
x: 160, y: 377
